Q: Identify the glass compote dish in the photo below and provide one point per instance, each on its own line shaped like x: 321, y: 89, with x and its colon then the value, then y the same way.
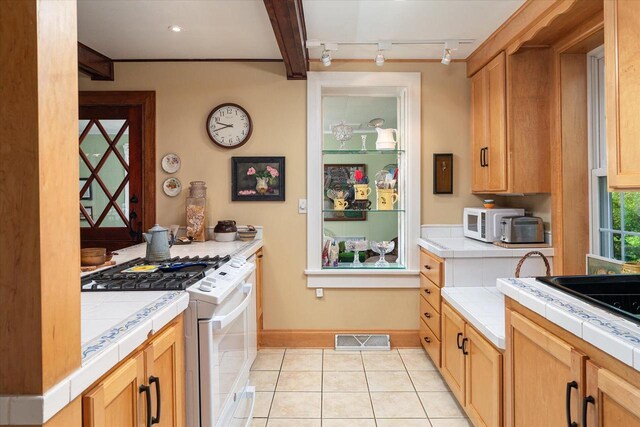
x: 356, y: 246
x: 382, y: 248
x: 342, y: 133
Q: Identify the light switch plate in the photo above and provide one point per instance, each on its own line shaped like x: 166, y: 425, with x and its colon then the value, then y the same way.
x: 302, y: 206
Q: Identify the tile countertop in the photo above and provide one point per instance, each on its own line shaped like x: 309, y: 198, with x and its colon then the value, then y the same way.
x: 463, y: 247
x: 113, y: 324
x: 608, y: 332
x: 482, y: 307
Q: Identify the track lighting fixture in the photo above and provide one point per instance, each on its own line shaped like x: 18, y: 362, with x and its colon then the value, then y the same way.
x: 379, y: 59
x: 446, y: 56
x: 326, y: 58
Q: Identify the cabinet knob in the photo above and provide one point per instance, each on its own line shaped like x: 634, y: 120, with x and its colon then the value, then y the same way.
x: 428, y: 267
x: 427, y: 339
x: 427, y: 291
x: 427, y: 315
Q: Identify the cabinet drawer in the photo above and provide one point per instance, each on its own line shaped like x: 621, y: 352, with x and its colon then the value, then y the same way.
x: 430, y: 343
x: 430, y: 292
x: 430, y: 316
x: 431, y: 267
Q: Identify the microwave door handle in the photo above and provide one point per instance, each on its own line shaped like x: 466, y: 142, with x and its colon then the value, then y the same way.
x: 221, y: 322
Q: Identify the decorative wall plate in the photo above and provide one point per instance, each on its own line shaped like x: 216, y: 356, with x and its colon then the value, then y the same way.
x: 172, y: 187
x: 171, y: 163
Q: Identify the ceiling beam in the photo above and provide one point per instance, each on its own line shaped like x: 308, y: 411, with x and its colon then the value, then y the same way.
x: 94, y: 64
x: 287, y: 20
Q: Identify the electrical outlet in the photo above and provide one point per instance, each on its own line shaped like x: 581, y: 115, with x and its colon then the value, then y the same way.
x: 319, y: 292
x: 302, y: 206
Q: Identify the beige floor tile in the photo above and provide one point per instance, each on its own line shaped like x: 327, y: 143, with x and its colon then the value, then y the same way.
x: 268, y: 362
x: 390, y: 351
x: 304, y: 351
x: 450, y: 422
x: 300, y: 381
x: 296, y: 405
x: 302, y: 362
x: 334, y: 351
x: 417, y: 362
x: 264, y: 380
x: 411, y: 350
x: 277, y: 422
x: 342, y: 362
x: 428, y: 381
x: 329, y: 422
x: 397, y: 405
x: 440, y: 404
x: 346, y: 405
x: 383, y: 362
x: 258, y: 422
x: 389, y: 381
x: 271, y: 350
x: 402, y: 422
x: 346, y: 382
x: 263, y: 404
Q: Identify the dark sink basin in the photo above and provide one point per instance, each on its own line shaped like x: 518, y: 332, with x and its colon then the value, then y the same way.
x: 618, y: 294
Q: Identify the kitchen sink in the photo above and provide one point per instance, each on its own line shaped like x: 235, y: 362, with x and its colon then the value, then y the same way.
x: 618, y: 294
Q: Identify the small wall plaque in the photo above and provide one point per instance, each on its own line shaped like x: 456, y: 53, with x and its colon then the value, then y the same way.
x: 443, y: 173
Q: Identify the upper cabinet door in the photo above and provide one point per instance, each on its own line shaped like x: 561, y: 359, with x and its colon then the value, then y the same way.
x: 479, y: 127
x: 496, y: 151
x: 622, y: 71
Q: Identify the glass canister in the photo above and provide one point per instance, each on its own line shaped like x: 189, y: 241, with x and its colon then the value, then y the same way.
x: 196, y: 203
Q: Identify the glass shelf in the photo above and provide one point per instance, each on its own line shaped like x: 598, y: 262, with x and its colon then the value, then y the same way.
x: 365, y: 266
x: 362, y: 210
x: 347, y: 151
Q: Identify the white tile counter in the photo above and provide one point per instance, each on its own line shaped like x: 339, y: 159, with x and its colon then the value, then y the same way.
x: 482, y: 307
x: 608, y: 332
x: 113, y: 324
x: 463, y: 247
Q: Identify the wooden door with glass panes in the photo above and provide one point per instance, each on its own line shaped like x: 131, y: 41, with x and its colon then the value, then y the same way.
x: 110, y: 150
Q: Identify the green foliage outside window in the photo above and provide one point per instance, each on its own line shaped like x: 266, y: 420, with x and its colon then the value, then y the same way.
x: 630, y: 204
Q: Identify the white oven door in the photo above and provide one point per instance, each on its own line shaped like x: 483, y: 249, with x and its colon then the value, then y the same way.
x: 224, y: 353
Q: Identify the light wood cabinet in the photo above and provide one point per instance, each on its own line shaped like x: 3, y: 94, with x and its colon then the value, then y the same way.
x: 119, y: 399
x: 430, y: 343
x: 622, y: 82
x: 148, y: 383
x: 472, y: 368
x: 611, y: 401
x: 483, y: 380
x: 510, y: 112
x: 452, y: 356
x: 544, y: 376
x: 431, y: 280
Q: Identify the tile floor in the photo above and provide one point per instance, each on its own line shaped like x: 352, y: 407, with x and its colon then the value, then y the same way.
x: 328, y: 388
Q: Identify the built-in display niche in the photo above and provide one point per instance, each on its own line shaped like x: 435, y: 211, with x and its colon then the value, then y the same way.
x: 363, y: 183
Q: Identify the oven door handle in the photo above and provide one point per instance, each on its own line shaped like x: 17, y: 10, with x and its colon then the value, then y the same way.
x: 221, y: 322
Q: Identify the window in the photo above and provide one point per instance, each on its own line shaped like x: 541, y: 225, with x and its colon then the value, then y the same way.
x: 615, y: 217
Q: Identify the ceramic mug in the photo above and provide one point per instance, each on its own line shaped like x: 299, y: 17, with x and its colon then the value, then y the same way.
x: 386, y: 199
x: 361, y: 205
x: 362, y: 191
x: 340, y: 204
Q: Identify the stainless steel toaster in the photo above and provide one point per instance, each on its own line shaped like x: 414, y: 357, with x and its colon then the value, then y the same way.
x: 522, y: 229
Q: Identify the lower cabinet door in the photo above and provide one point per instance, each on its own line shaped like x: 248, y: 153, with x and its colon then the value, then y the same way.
x: 610, y: 401
x: 164, y: 358
x: 453, y: 363
x: 430, y: 343
x: 118, y: 400
x: 483, y: 381
x: 543, y: 376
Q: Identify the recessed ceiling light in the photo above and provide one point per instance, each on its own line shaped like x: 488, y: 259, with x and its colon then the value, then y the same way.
x: 175, y: 28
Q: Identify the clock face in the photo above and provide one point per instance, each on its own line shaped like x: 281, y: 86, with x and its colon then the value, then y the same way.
x: 229, y: 125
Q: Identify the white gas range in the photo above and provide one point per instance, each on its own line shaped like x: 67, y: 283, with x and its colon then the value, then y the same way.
x: 221, y: 345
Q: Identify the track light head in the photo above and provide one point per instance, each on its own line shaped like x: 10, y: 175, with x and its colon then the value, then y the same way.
x: 446, y: 57
x: 379, y: 60
x: 326, y: 57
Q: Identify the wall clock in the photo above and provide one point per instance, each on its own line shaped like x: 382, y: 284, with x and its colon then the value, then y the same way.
x: 229, y: 125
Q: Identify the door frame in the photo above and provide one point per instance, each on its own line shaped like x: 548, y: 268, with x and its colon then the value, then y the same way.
x: 146, y: 100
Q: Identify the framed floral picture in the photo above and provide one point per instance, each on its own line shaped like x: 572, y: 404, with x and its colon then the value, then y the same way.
x: 257, y: 179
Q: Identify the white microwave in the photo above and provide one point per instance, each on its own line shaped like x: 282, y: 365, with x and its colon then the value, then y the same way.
x: 484, y: 224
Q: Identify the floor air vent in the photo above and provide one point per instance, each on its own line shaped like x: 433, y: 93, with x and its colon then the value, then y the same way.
x: 362, y: 342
